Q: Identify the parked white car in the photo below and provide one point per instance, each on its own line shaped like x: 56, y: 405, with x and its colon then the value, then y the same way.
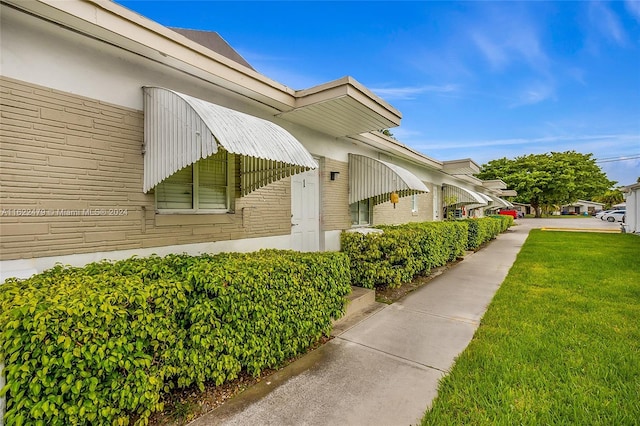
x: 602, y: 213
x: 614, y: 216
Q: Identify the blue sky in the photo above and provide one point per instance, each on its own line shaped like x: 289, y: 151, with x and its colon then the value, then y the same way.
x: 474, y: 79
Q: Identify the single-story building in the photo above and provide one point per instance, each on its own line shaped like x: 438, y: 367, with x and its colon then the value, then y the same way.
x: 632, y: 201
x: 581, y: 207
x: 523, y: 208
x: 123, y: 137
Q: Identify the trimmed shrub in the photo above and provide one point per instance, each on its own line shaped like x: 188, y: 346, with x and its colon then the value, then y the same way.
x: 506, y: 221
x: 101, y: 344
x: 484, y: 229
x: 402, y: 252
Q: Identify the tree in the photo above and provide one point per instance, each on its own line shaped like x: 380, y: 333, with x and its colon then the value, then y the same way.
x: 610, y: 198
x: 550, y: 179
x: 387, y: 132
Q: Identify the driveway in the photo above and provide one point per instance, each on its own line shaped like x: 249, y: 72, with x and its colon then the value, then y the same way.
x: 586, y: 223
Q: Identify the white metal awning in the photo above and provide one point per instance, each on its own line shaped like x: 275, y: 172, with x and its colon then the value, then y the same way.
x: 456, y: 195
x: 180, y: 130
x: 485, y: 197
x: 371, y: 178
x: 500, y: 202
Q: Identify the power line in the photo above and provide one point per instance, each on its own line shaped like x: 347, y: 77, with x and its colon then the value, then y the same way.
x: 613, y: 159
x: 617, y: 156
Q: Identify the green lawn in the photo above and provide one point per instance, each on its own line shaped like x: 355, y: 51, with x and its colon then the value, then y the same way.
x: 559, y: 344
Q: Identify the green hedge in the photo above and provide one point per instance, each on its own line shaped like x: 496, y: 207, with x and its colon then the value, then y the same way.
x: 506, y: 221
x: 485, y: 229
x: 402, y: 252
x: 101, y: 344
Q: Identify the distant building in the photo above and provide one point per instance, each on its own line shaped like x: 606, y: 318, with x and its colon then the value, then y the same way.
x: 632, y: 215
x: 582, y: 207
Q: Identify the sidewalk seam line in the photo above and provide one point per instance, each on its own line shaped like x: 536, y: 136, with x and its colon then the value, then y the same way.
x: 457, y: 319
x: 431, y: 367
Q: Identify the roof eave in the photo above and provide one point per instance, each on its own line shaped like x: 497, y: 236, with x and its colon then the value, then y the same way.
x: 118, y: 26
x: 494, y: 184
x: 465, y: 166
x: 341, y: 108
x: 398, y: 149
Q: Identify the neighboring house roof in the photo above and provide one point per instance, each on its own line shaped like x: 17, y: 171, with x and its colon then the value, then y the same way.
x: 212, y: 40
x: 585, y: 203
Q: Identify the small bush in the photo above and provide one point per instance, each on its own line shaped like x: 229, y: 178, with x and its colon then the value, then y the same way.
x: 506, y: 221
x: 484, y: 229
x: 98, y: 344
x: 402, y: 252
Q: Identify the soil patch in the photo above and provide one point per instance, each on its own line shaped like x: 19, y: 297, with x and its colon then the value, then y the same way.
x: 183, y: 405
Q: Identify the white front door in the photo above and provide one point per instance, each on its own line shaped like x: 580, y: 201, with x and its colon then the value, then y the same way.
x: 305, y: 211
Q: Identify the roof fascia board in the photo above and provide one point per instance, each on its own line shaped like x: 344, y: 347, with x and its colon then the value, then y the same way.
x: 469, y: 179
x: 494, y: 184
x: 631, y: 187
x: 120, y: 27
x: 466, y: 165
x: 393, y: 147
x: 346, y: 86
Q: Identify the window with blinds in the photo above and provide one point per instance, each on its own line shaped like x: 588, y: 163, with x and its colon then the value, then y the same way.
x: 213, y: 181
x: 361, y: 212
x: 203, y: 186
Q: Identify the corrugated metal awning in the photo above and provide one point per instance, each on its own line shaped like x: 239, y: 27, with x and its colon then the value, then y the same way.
x: 485, y: 197
x: 500, y: 202
x: 455, y: 195
x: 180, y: 130
x: 371, y: 178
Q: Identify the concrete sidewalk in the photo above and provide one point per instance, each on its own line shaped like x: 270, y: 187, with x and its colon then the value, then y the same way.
x: 385, y: 369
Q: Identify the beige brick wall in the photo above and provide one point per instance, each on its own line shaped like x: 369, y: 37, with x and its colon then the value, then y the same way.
x: 385, y: 214
x: 335, y: 196
x: 70, y: 167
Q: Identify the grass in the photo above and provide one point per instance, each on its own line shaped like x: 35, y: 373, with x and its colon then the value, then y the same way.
x: 560, y: 342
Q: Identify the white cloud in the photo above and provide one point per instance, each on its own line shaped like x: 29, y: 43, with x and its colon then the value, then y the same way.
x: 633, y: 7
x: 508, y: 34
x: 606, y: 22
x: 535, y: 93
x: 493, y: 52
x: 560, y: 142
x: 411, y: 92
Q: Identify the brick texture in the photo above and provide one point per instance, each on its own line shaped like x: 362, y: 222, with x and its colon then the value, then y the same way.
x: 335, y: 196
x: 71, y: 172
x: 385, y: 214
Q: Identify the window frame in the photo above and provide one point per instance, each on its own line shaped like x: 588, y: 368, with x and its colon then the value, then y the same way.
x: 195, y: 195
x: 358, y: 212
x: 414, y: 203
